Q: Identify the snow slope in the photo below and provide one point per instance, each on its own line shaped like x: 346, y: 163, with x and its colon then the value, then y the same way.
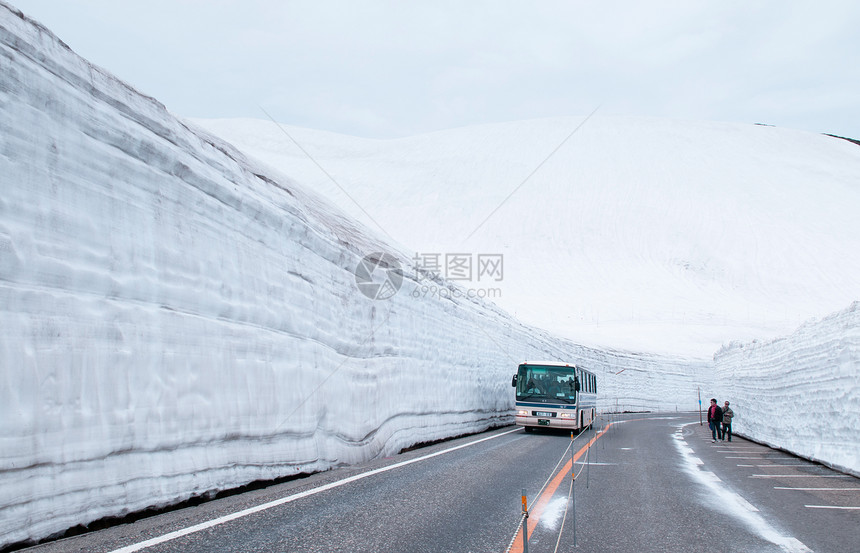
x: 800, y: 392
x: 179, y: 318
x: 176, y: 320
x: 640, y: 234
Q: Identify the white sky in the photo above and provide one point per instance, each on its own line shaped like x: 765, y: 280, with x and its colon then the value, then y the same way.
x: 396, y: 68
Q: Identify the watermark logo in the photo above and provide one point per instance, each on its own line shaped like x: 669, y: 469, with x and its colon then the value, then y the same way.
x: 434, y: 269
x: 461, y: 266
x: 378, y: 276
x: 432, y: 290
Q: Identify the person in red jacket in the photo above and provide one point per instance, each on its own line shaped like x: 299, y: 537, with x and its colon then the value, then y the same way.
x: 715, y: 420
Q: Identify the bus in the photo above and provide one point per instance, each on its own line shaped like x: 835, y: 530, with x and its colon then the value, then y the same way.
x: 550, y: 394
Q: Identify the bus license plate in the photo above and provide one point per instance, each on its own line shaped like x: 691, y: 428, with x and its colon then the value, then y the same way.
x: 543, y: 422
x: 542, y: 414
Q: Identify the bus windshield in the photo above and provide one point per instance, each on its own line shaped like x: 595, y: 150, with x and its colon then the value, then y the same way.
x: 537, y: 382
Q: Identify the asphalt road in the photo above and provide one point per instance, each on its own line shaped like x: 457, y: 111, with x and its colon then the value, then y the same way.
x: 652, y: 483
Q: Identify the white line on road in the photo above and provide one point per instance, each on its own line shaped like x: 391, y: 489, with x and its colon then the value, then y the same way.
x: 757, y: 458
x: 831, y: 507
x: 773, y: 455
x: 722, y: 449
x: 799, y: 476
x: 786, y: 465
x: 307, y: 493
x: 818, y: 489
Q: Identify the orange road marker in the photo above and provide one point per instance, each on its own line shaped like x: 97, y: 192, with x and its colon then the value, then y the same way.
x: 549, y: 491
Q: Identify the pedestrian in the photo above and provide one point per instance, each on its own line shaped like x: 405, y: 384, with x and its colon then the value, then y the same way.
x: 727, y: 422
x: 715, y: 419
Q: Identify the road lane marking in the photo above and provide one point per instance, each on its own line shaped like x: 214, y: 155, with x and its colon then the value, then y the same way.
x: 831, y: 507
x: 753, y: 453
x: 799, y: 476
x: 757, y: 458
x: 743, y: 457
x: 818, y: 489
x: 278, y: 502
x: 540, y: 505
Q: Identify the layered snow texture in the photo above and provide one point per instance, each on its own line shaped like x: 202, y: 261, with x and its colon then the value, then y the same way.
x: 174, y: 321
x: 177, y: 320
x: 801, y: 392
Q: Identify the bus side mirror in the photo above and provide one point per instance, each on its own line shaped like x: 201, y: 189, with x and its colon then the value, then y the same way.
x: 514, y: 381
x: 576, y: 384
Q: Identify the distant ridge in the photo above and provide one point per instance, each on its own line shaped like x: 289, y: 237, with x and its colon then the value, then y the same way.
x: 844, y: 138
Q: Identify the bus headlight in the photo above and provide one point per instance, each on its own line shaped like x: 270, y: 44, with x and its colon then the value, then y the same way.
x: 522, y: 413
x: 565, y: 416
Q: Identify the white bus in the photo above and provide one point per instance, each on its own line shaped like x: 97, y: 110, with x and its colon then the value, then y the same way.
x: 550, y: 394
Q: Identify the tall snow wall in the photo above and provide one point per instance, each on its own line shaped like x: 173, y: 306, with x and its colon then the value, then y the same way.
x: 175, y: 321
x: 800, y: 393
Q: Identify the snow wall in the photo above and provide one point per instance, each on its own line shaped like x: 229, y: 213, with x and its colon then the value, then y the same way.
x: 800, y: 393
x: 176, y: 321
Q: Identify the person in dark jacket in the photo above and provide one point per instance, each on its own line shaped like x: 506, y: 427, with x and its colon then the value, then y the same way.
x: 715, y: 420
x: 727, y: 422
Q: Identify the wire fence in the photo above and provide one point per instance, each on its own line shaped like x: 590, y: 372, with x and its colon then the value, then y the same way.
x: 606, y: 421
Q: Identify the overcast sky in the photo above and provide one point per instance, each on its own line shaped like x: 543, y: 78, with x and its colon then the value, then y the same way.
x: 397, y: 68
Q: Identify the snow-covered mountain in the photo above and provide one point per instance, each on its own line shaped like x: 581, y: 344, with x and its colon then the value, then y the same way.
x: 641, y: 234
x: 176, y: 319
x: 179, y: 318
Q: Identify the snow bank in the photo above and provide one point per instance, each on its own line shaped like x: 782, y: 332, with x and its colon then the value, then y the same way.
x: 176, y: 321
x: 800, y: 393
